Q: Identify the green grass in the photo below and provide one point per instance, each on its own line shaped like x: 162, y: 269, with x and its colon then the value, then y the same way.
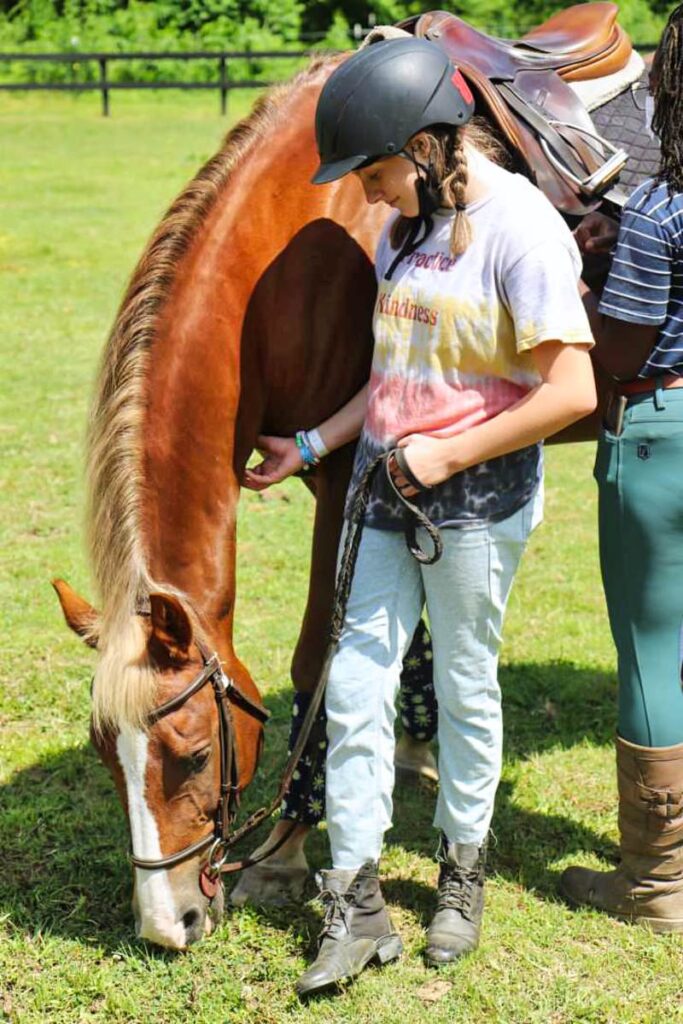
x: 78, y: 197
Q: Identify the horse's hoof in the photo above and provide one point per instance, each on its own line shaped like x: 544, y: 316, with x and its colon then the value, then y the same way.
x: 415, y: 763
x: 272, y: 885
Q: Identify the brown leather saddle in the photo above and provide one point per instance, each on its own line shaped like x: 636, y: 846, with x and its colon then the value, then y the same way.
x: 521, y: 85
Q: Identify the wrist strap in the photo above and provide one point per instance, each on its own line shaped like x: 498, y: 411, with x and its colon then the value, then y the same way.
x: 316, y: 443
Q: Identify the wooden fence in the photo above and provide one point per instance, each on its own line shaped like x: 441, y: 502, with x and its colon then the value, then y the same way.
x: 103, y: 84
x: 223, y: 83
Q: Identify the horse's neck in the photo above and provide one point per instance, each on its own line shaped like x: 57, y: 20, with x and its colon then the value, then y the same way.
x: 211, y: 371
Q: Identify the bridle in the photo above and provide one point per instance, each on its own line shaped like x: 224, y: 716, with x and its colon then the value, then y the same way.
x: 220, y: 839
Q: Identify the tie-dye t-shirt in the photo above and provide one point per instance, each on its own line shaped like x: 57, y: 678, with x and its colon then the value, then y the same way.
x: 453, y: 340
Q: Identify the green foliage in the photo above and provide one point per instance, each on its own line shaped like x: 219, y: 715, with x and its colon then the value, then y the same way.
x: 500, y: 17
x: 641, y: 19
x: 338, y: 33
x: 107, y: 25
x: 119, y: 25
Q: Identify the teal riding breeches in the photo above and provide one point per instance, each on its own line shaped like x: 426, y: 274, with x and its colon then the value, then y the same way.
x: 640, y: 480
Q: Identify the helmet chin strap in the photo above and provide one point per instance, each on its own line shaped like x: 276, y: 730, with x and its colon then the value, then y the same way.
x: 428, y: 199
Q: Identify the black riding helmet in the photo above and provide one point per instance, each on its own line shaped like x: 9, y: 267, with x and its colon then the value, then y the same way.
x: 379, y: 98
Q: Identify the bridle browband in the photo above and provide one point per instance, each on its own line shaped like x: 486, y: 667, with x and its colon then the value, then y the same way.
x: 226, y: 693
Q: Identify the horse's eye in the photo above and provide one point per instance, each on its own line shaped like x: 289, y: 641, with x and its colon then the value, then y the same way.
x: 196, y: 762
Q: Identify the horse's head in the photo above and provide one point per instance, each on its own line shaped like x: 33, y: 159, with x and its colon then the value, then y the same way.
x: 159, y: 736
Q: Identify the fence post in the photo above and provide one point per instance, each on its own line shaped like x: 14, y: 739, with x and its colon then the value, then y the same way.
x: 223, y: 76
x: 103, y: 86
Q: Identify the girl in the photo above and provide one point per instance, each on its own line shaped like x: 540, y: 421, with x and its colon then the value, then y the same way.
x: 481, y: 350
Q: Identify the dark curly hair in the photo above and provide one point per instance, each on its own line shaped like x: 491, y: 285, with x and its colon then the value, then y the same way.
x: 667, y: 82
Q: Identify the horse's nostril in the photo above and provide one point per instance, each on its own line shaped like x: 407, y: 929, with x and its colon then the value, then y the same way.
x: 191, y: 918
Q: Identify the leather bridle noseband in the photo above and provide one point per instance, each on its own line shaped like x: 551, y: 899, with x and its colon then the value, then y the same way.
x: 226, y: 693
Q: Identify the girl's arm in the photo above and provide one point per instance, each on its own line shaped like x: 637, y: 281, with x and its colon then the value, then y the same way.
x: 282, y: 456
x: 566, y: 393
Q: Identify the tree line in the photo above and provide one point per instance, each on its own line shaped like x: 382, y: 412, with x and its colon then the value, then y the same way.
x: 120, y: 25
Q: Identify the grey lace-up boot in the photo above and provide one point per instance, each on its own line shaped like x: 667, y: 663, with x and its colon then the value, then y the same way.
x: 455, y: 927
x: 356, y: 928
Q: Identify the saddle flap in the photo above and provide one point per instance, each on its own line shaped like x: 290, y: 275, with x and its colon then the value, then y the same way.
x: 524, y: 143
x: 566, y: 133
x: 558, y: 104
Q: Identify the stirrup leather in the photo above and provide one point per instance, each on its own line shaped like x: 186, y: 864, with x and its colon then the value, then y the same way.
x: 555, y: 139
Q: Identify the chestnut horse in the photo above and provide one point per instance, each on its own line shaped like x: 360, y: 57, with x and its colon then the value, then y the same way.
x: 249, y: 312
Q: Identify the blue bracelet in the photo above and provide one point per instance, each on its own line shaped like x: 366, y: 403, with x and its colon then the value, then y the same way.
x: 308, y: 456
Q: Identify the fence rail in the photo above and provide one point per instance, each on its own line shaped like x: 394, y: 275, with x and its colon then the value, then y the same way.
x: 105, y: 86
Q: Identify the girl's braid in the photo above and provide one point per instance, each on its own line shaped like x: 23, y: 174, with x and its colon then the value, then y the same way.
x: 453, y: 188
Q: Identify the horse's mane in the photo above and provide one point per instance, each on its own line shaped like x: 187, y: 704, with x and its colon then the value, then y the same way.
x: 124, y: 689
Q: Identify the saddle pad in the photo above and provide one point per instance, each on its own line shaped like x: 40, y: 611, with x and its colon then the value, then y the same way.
x: 597, y: 91
x: 622, y: 123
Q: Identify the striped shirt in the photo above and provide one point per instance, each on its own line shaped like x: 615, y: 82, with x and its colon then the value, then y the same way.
x: 645, y: 284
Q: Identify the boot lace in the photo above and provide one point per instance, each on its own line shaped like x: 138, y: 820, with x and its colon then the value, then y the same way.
x: 336, y: 905
x: 456, y: 890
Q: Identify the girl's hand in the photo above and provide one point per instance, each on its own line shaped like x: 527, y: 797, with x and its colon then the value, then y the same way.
x: 596, y: 233
x: 426, y: 460
x: 281, y: 459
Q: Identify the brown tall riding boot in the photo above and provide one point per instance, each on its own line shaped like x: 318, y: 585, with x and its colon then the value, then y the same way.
x: 647, y: 887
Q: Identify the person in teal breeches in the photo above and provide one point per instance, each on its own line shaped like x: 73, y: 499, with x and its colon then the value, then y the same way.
x: 638, y: 328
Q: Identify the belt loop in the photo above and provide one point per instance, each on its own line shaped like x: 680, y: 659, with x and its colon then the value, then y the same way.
x: 659, y: 395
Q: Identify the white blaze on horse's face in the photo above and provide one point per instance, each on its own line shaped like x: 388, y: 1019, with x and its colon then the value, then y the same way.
x: 161, y: 906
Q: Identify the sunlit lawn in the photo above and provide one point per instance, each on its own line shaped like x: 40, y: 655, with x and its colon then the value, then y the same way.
x: 78, y: 197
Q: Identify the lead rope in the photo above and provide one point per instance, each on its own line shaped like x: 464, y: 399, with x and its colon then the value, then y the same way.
x: 347, y: 567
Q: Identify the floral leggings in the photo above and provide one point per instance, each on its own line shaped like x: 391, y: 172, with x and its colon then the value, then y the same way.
x: 305, y: 799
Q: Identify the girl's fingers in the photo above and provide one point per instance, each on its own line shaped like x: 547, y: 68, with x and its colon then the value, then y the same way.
x: 256, y: 479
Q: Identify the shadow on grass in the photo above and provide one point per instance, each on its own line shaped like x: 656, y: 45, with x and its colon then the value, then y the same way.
x: 553, y: 706
x: 64, y: 866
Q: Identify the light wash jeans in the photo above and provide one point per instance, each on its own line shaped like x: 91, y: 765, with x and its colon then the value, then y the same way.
x: 466, y: 593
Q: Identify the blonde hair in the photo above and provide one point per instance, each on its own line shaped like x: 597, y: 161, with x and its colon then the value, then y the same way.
x: 449, y: 163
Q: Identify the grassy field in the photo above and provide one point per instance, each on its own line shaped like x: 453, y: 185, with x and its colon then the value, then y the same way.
x: 78, y: 197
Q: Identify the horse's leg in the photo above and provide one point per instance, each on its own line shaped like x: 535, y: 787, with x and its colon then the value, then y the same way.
x: 281, y: 878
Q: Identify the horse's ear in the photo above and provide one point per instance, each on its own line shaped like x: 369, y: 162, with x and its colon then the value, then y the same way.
x: 171, y: 626
x: 80, y: 616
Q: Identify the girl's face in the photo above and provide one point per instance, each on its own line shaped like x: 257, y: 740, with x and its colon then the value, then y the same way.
x: 391, y: 181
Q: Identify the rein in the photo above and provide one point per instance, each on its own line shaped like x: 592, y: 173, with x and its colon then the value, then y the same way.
x: 221, y: 839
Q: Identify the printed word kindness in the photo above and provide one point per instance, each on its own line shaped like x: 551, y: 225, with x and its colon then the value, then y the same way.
x: 406, y: 310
